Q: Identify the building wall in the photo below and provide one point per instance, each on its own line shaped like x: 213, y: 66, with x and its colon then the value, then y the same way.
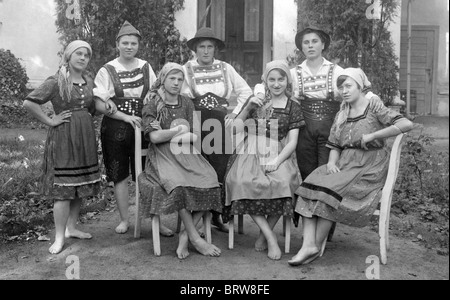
x: 28, y: 30
x: 434, y: 12
x: 284, y: 28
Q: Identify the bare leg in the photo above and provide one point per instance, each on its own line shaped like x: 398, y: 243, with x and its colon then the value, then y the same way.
x: 217, y: 222
x: 164, y: 231
x: 199, y: 244
x: 309, y: 250
x: 272, y: 242
x: 71, y: 231
x: 121, y: 195
x: 323, y: 228
x: 261, y: 242
x: 61, y: 210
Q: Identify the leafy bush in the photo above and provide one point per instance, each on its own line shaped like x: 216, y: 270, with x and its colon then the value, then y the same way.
x: 13, y: 76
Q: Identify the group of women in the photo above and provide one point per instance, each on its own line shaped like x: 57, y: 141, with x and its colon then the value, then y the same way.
x: 309, y: 144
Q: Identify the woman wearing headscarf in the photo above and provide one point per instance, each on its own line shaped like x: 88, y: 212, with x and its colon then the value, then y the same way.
x: 120, y: 89
x: 70, y: 166
x: 210, y: 83
x: 262, y: 176
x: 347, y: 189
x: 314, y: 85
x: 177, y: 177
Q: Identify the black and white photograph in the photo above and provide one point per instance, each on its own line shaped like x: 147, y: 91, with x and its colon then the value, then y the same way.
x: 224, y: 147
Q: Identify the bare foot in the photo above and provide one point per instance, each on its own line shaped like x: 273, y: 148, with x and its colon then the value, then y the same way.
x: 182, y: 250
x: 122, y: 228
x: 274, y: 250
x: 56, y: 247
x: 206, y: 249
x: 77, y: 234
x: 305, y: 256
x: 164, y: 231
x: 261, y: 243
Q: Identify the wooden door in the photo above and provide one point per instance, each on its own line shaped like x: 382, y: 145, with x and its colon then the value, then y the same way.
x: 423, y: 67
x: 239, y: 23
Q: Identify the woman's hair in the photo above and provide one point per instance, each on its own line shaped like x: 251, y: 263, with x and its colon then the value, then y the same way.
x: 319, y: 34
x: 340, y: 81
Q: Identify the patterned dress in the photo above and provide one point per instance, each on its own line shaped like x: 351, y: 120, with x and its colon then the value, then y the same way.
x: 248, y: 189
x: 351, y: 196
x: 175, y: 180
x: 70, y: 167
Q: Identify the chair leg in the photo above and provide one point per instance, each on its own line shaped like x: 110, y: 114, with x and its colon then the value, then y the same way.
x: 231, y: 233
x: 155, y: 232
x: 322, y: 250
x: 241, y: 224
x: 383, y: 242
x: 207, y: 225
x: 137, y: 223
x: 179, y: 221
x: 331, y: 233
x: 287, y: 240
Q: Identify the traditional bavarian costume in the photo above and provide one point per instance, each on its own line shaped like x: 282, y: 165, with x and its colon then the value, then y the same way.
x: 127, y: 89
x: 210, y: 88
x: 316, y: 94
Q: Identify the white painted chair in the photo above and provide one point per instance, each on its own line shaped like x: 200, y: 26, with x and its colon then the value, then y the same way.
x: 138, y: 154
x: 386, y: 199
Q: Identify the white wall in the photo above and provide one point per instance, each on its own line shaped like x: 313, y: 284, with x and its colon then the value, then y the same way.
x: 28, y: 30
x: 284, y: 28
x: 186, y: 20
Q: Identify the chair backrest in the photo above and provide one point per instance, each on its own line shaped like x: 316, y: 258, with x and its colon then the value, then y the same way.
x: 138, y: 154
x: 388, y: 189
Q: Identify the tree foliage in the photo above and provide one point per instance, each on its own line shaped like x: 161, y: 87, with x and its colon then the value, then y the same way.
x: 100, y: 21
x: 357, y: 41
x: 13, y: 76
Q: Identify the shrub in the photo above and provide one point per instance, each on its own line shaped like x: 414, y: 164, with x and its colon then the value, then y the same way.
x: 13, y: 76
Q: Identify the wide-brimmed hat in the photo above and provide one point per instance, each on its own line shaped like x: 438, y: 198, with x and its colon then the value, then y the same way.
x: 128, y: 29
x: 205, y: 33
x: 326, y: 39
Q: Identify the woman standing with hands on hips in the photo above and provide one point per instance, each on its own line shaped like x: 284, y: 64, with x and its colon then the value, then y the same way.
x: 70, y: 166
x: 120, y: 89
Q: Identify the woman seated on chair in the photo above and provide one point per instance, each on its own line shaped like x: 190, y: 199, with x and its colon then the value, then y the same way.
x: 348, y: 189
x: 262, y: 176
x: 177, y: 178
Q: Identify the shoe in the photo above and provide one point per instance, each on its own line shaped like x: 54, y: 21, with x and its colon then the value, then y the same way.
x: 305, y: 261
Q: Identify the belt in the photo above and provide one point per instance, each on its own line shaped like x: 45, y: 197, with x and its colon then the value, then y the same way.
x: 210, y: 101
x: 129, y: 106
x: 319, y: 109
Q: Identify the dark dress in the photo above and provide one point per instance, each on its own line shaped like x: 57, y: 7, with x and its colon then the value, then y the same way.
x: 351, y: 196
x: 175, y: 180
x: 248, y: 189
x: 70, y: 167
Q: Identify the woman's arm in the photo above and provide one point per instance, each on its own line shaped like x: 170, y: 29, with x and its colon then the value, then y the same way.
x: 36, y: 111
x: 402, y: 126
x: 286, y: 152
x: 332, y: 161
x: 238, y: 124
x: 174, y: 135
x: 117, y: 115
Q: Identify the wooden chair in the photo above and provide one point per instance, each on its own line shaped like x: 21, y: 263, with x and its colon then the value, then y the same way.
x: 287, y: 223
x: 386, y: 198
x: 138, y: 154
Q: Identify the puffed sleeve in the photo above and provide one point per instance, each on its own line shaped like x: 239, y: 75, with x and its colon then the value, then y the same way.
x: 149, y: 113
x: 240, y: 87
x: 296, y: 119
x: 387, y: 116
x: 104, y: 88
x: 46, y: 92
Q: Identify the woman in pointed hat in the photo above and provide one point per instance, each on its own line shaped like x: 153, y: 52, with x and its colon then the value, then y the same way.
x: 123, y: 84
x: 71, y: 170
x: 211, y: 83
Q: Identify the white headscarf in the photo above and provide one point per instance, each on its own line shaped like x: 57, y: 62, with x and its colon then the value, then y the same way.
x: 65, y: 83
